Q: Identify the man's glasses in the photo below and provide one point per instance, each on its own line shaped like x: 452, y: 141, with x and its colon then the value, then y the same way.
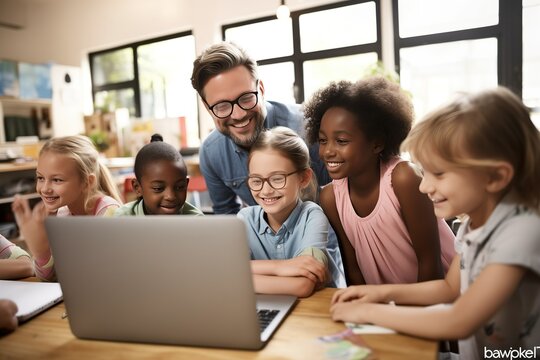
x: 246, y: 101
x: 276, y: 181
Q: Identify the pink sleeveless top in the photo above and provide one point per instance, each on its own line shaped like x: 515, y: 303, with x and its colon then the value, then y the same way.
x: 383, y: 245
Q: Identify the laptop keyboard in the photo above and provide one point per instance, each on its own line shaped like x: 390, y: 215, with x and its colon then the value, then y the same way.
x: 265, y: 317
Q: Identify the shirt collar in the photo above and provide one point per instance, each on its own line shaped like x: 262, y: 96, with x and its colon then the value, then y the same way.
x: 139, y: 208
x: 473, y: 235
x: 505, y: 208
x: 287, y: 226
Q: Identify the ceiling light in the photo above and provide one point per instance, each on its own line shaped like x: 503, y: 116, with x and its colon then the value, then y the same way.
x: 283, y: 11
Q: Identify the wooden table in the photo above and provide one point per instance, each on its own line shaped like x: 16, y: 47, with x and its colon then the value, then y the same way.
x: 49, y: 336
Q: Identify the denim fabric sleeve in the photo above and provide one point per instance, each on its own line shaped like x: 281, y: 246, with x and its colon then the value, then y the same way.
x: 223, y: 198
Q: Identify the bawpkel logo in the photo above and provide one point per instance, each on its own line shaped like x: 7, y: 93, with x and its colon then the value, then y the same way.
x: 512, y: 353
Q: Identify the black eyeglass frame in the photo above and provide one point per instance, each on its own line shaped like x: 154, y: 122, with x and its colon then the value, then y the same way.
x: 267, y: 180
x: 235, y: 102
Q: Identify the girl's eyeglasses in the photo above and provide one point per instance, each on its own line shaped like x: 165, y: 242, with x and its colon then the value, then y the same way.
x: 276, y: 181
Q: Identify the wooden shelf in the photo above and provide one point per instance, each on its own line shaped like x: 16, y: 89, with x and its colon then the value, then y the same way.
x: 14, y: 166
x: 17, y: 101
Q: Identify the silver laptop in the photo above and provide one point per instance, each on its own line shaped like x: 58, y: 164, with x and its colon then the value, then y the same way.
x: 182, y: 280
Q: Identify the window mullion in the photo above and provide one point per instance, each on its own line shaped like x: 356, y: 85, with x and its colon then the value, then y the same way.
x: 510, y: 45
x: 297, y: 60
x: 136, y: 83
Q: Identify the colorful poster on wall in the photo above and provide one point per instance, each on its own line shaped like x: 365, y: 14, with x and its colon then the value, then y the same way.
x: 35, y: 81
x: 9, y: 83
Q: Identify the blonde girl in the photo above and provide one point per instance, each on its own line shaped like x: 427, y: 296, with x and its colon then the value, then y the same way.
x: 70, y: 181
x: 481, y: 157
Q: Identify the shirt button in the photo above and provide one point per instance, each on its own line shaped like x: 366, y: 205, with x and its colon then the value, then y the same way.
x: 279, y: 246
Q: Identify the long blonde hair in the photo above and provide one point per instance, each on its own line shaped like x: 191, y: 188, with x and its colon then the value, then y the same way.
x: 81, y: 149
x: 479, y: 130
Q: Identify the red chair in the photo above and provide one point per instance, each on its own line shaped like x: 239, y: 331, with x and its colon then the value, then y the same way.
x: 128, y: 193
x: 195, y: 187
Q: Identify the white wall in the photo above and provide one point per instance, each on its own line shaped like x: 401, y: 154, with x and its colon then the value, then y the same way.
x: 64, y: 31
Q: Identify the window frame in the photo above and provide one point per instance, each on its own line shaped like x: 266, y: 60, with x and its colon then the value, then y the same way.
x: 508, y: 32
x: 298, y: 57
x: 133, y: 84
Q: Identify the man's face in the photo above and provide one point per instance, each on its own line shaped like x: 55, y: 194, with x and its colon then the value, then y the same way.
x: 242, y: 126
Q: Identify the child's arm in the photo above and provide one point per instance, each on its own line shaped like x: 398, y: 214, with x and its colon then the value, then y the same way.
x: 15, y: 263
x: 304, y: 266
x: 16, y: 268
x: 491, y: 289
x: 298, y: 276
x: 353, y: 275
x: 31, y: 223
x: 423, y: 293
x: 419, y: 218
x: 298, y: 286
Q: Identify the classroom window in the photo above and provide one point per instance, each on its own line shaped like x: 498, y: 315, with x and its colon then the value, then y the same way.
x: 279, y: 43
x: 318, y: 73
x: 339, y: 27
x: 296, y: 56
x: 531, y: 54
x: 423, y: 17
x: 433, y: 73
x: 278, y: 81
x: 443, y: 47
x: 150, y: 78
x: 114, y: 99
x: 113, y: 67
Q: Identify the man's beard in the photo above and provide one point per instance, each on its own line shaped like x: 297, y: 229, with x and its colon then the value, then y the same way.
x: 248, y: 142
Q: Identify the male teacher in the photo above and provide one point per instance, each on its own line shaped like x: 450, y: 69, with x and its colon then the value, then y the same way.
x: 226, y: 79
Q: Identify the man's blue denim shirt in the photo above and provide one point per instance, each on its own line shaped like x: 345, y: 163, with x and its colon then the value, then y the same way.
x: 224, y: 164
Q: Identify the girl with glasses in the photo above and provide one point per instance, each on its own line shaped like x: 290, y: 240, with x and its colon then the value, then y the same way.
x: 386, y: 227
x: 287, y: 236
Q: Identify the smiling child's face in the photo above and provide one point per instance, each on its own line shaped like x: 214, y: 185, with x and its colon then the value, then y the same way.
x: 456, y: 190
x: 58, y: 182
x: 163, y: 187
x: 343, y: 146
x: 276, y: 203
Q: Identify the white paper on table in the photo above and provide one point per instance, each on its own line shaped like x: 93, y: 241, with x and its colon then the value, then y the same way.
x: 369, y: 329
x: 31, y: 297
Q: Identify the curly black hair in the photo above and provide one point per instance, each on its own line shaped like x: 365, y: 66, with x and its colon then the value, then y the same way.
x: 383, y: 110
